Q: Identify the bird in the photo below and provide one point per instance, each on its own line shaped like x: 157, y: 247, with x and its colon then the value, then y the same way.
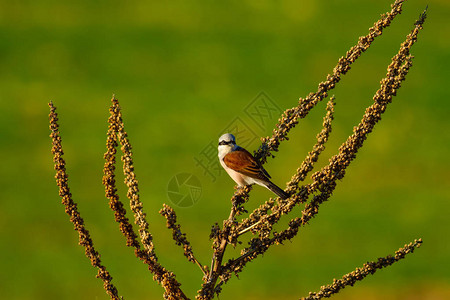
x: 242, y: 167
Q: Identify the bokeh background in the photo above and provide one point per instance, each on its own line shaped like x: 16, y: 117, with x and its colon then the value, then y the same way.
x: 182, y: 71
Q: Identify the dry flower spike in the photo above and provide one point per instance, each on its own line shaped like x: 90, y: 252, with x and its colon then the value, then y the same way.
x: 71, y: 207
x: 259, y: 222
x: 359, y: 274
x: 116, y: 134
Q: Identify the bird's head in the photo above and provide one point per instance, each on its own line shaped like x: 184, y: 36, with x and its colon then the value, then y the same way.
x: 227, y: 142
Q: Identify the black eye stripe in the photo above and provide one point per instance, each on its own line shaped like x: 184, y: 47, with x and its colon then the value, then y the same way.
x: 226, y: 143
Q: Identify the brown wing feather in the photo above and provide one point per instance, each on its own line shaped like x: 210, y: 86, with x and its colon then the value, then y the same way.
x: 243, y: 162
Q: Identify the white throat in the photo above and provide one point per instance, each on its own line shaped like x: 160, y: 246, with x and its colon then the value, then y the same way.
x: 224, y: 150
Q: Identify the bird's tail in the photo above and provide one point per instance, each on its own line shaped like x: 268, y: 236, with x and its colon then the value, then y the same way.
x: 274, y: 188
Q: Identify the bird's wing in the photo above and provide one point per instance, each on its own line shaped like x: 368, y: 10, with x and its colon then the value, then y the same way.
x: 243, y: 162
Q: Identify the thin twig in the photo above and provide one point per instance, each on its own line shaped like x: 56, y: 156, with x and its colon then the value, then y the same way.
x: 249, y: 228
x: 179, y: 237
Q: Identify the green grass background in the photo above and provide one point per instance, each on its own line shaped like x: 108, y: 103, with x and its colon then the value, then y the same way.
x: 182, y: 71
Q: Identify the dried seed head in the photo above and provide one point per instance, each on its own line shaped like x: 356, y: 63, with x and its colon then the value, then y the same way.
x: 71, y: 207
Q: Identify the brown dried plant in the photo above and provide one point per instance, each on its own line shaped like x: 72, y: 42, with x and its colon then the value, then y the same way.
x: 360, y: 273
x: 71, y: 207
x: 116, y: 133
x: 261, y: 221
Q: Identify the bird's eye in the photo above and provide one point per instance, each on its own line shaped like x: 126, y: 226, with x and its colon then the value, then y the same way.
x: 226, y: 142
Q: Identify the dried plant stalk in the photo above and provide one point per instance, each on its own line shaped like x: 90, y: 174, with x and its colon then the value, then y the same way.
x: 71, y: 207
x: 288, y: 121
x: 116, y: 132
x: 307, y: 165
x: 109, y: 182
x: 221, y: 238
x: 261, y: 221
x: 291, y: 116
x: 179, y: 237
x: 324, y: 181
x: 136, y: 205
x: 359, y: 274
x: 312, y: 157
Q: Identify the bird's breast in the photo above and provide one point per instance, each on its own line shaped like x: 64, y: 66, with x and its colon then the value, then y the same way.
x: 239, y: 178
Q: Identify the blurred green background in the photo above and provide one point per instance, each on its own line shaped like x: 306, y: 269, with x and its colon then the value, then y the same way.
x: 182, y: 72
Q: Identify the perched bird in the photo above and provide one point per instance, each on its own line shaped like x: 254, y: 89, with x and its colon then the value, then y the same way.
x: 242, y: 167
